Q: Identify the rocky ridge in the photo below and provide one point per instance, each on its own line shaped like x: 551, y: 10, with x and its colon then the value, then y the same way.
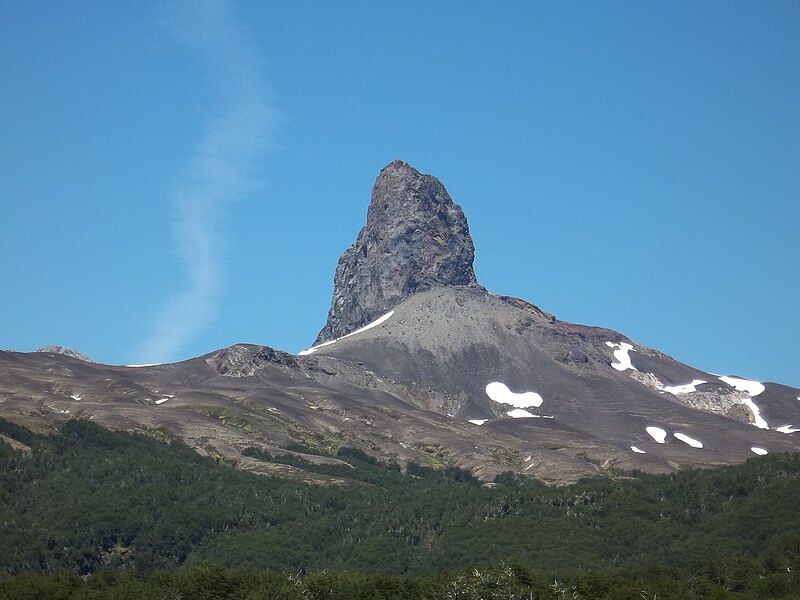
x: 65, y: 352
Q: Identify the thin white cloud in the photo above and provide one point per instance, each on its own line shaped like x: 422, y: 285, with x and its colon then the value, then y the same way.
x: 224, y: 169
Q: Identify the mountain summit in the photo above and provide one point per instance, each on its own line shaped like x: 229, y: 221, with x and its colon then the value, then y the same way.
x: 416, y: 238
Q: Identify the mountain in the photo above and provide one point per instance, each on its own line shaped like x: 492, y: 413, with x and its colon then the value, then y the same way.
x: 418, y: 362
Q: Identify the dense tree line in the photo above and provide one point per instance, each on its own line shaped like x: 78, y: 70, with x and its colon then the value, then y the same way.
x: 730, y: 579
x: 89, y: 501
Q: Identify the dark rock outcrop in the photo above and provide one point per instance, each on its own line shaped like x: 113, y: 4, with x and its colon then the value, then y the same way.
x: 416, y: 238
x: 528, y: 307
x: 246, y: 360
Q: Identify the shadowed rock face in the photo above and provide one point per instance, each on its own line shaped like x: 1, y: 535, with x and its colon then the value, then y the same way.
x: 416, y: 238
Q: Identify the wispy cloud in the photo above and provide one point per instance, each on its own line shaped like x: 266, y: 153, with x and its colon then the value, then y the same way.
x: 224, y: 169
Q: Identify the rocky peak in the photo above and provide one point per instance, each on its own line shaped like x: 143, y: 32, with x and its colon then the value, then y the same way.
x: 66, y: 352
x: 416, y: 238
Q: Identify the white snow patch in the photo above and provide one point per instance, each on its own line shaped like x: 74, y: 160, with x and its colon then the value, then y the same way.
x: 759, y: 451
x: 75, y: 397
x: 787, y: 429
x: 759, y: 420
x: 686, y: 388
x: 621, y: 354
x: 478, y: 421
x: 657, y: 434
x: 688, y: 440
x: 374, y: 323
x: 500, y: 393
x: 143, y: 365
x: 518, y: 413
x: 754, y: 388
x: 528, y: 458
x: 637, y: 450
x: 162, y: 400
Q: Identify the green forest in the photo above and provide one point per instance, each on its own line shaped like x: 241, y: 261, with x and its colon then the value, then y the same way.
x: 92, y: 513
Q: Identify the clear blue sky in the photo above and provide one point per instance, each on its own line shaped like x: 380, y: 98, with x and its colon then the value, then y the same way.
x: 632, y: 165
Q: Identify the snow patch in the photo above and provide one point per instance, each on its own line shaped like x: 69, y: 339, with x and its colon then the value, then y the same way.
x: 753, y: 388
x: 143, y: 365
x: 75, y: 397
x: 162, y: 400
x: 688, y: 440
x: 759, y: 451
x: 518, y: 413
x: 478, y: 421
x: 657, y: 434
x: 787, y: 429
x: 621, y: 354
x: 499, y: 392
x: 686, y: 388
x: 637, y: 450
x: 374, y: 323
x: 759, y: 420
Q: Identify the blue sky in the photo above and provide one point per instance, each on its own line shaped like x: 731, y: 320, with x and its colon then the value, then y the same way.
x: 178, y: 178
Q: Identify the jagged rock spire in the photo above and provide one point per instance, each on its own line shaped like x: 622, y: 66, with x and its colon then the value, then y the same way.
x: 415, y: 238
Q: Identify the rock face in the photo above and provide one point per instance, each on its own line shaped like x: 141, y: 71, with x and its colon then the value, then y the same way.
x: 416, y: 238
